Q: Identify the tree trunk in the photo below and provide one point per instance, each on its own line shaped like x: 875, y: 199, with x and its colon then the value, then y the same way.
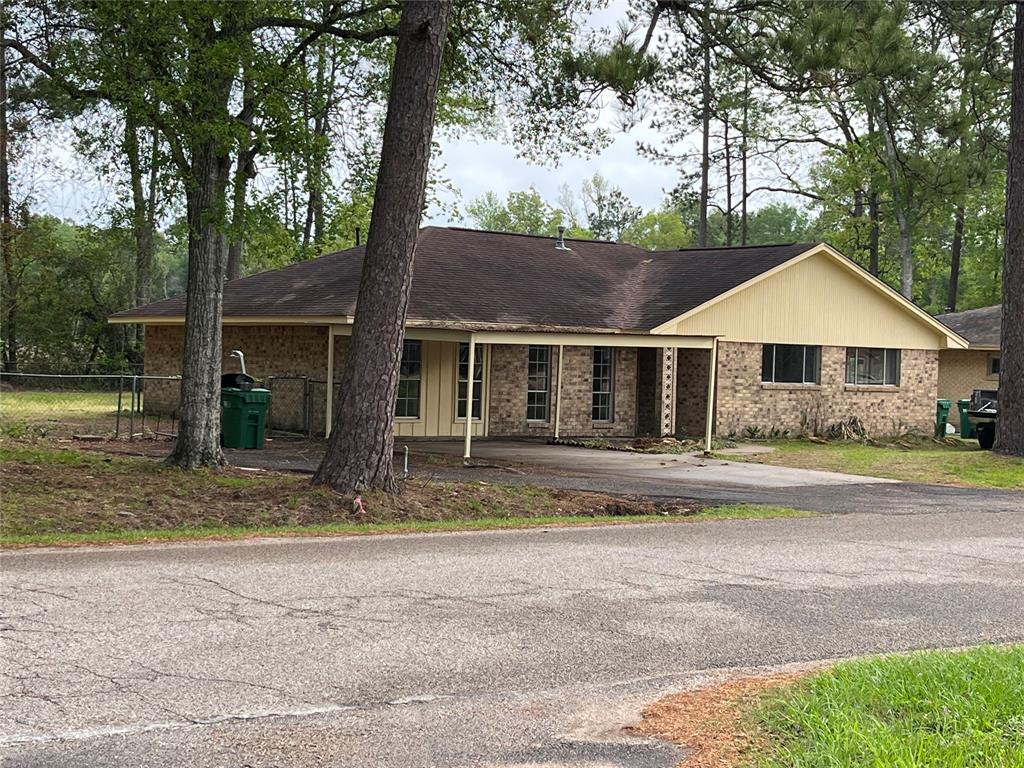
x: 143, y: 222
x: 705, y: 157
x: 744, y: 150
x: 360, y: 451
x: 873, y: 235
x: 902, y: 206
x: 954, y: 260
x: 198, y: 442
x: 243, y: 172
x: 10, y: 351
x: 728, y: 184
x: 1010, y: 424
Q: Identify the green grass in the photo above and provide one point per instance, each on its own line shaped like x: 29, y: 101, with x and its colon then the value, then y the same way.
x: 947, y: 464
x: 32, y: 406
x: 934, y: 709
x: 142, y: 536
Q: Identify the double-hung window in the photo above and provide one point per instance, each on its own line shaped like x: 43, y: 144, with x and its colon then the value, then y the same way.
x: 791, y: 364
x: 603, y: 382
x: 407, y: 406
x: 872, y: 366
x: 538, y: 382
x: 463, y: 380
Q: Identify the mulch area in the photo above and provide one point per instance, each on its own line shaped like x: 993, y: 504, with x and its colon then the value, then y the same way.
x: 712, y: 722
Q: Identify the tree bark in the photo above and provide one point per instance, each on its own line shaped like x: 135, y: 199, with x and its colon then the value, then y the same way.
x: 10, y: 351
x: 360, y: 451
x: 873, y: 234
x: 1010, y: 424
x: 198, y: 442
x: 728, y: 184
x: 902, y: 206
x: 705, y: 156
x: 143, y: 219
x: 954, y: 260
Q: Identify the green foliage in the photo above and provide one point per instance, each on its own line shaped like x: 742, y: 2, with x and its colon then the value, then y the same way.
x: 662, y: 230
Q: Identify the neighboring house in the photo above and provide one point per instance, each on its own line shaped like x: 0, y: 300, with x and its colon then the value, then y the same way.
x: 590, y: 338
x: 961, y: 371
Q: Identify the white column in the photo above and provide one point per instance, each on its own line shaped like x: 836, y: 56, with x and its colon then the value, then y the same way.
x: 329, y: 404
x: 469, y: 399
x: 712, y: 369
x: 667, y: 392
x: 558, y: 392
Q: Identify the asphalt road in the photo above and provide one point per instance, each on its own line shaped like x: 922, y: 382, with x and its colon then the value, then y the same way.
x: 484, y: 649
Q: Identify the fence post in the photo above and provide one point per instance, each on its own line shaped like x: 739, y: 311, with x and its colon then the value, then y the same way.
x: 306, y: 410
x: 117, y: 419
x: 131, y: 419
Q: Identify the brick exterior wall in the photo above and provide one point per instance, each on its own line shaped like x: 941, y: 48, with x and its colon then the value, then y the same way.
x: 270, y: 350
x: 508, y: 394
x: 742, y: 400
x: 692, y: 392
x: 961, y: 371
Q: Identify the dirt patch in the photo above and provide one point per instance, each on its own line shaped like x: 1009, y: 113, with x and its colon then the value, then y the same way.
x: 712, y: 722
x: 55, y: 489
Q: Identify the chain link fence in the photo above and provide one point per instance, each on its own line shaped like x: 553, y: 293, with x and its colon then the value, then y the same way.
x: 132, y: 407
x: 64, y: 405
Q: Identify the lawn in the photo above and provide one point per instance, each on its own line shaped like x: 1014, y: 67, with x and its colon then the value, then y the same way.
x: 928, y: 709
x: 55, y: 495
x: 22, y: 410
x: 934, y: 709
x: 959, y: 463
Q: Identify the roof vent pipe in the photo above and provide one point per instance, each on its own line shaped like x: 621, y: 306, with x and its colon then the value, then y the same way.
x: 560, y: 241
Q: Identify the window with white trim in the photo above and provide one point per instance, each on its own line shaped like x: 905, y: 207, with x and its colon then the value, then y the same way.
x: 407, y: 406
x: 603, y: 384
x: 538, y: 382
x: 873, y: 366
x: 463, y: 380
x: 790, y: 364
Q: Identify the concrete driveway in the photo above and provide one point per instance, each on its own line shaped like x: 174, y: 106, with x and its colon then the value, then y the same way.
x: 529, y: 648
x: 683, y: 469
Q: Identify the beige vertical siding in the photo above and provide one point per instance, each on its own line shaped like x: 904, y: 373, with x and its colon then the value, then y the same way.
x: 438, y: 393
x: 815, y: 301
x: 961, y: 371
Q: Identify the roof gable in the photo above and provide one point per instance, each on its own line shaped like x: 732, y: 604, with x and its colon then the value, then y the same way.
x: 820, y: 297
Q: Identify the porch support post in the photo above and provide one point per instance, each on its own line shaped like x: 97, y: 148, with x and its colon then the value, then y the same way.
x: 467, y: 449
x: 711, y: 396
x: 558, y: 392
x: 329, y: 404
x: 667, y: 391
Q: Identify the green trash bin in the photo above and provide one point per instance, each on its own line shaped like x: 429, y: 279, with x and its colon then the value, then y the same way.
x: 968, y: 429
x: 941, y: 415
x: 243, y: 417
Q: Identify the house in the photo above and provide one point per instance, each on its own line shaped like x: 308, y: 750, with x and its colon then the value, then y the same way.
x: 590, y: 338
x: 961, y: 371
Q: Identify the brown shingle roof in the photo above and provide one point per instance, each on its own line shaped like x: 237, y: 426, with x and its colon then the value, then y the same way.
x: 981, y: 327
x: 469, y: 276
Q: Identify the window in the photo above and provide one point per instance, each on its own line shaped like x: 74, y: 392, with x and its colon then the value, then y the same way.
x: 604, y: 376
x: 408, y: 404
x: 791, y: 364
x: 463, y: 380
x: 538, y: 382
x: 873, y: 367
x: 993, y: 366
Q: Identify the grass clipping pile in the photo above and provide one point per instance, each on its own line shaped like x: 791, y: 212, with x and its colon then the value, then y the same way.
x: 49, y: 490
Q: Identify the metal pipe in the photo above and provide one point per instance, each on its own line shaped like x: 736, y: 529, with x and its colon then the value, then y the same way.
x: 241, y: 357
x: 405, y: 468
x: 117, y: 419
x: 329, y: 404
x: 131, y: 415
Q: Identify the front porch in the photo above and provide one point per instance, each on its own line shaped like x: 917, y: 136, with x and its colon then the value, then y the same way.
x: 544, y: 384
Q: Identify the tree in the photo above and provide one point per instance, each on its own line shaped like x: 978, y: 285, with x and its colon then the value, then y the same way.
x: 662, y: 230
x: 609, y: 212
x: 1010, y: 425
x: 360, y: 451
x: 524, y: 213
